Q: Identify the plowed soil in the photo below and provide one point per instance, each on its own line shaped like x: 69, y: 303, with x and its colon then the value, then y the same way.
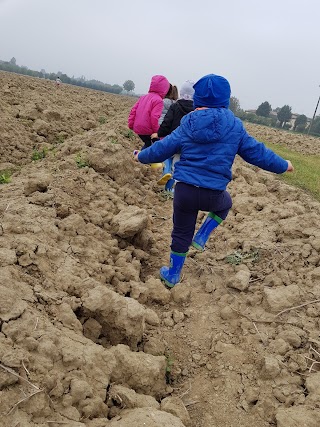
x: 89, y: 336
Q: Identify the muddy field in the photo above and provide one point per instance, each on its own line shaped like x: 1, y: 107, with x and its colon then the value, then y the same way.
x: 89, y: 337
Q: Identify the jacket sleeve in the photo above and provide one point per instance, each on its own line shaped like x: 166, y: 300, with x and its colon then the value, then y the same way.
x: 132, y: 115
x: 257, y: 154
x: 166, y: 126
x: 162, y: 149
x: 155, y: 115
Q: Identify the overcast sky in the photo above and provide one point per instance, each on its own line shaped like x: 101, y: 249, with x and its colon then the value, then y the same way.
x: 269, y: 51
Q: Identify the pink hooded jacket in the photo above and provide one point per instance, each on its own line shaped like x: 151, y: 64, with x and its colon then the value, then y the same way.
x: 144, y: 115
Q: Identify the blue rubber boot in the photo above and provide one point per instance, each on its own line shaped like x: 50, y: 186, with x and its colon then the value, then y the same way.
x: 167, y: 172
x: 171, y: 275
x: 211, y: 222
x: 169, y: 185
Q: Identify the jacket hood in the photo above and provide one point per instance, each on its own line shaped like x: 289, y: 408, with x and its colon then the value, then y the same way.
x: 160, y: 85
x: 209, y: 125
x: 185, y: 105
x: 212, y: 91
x: 186, y: 90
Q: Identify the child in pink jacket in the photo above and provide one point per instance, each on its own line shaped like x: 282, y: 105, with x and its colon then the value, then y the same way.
x: 144, y: 115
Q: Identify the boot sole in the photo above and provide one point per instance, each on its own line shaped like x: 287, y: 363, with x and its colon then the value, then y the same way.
x: 164, y: 179
x: 168, y: 284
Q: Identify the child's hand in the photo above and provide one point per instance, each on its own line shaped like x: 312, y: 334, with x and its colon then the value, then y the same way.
x: 290, y: 167
x: 154, y: 135
x: 135, y: 155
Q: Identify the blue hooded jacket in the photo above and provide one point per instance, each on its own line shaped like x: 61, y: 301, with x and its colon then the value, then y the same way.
x: 208, y: 141
x: 209, y: 138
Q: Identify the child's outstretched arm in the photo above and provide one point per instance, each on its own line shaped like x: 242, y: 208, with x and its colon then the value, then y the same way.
x: 256, y: 153
x: 161, y: 150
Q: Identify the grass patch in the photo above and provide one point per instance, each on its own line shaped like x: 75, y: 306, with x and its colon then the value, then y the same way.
x: 165, y: 195
x: 169, y: 365
x: 81, y: 161
x: 102, y: 120
x: 128, y: 134
x: 5, y: 177
x: 306, y: 173
x: 59, y: 139
x: 39, y: 154
x: 239, y: 257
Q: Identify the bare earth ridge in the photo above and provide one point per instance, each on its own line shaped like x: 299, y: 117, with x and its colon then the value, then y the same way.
x: 89, y: 337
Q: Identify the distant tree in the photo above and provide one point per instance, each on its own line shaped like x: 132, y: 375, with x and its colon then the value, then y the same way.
x: 116, y: 89
x: 300, y: 123
x: 13, y: 61
x: 128, y: 85
x: 64, y: 78
x: 234, y: 105
x: 264, y: 109
x: 81, y: 79
x: 284, y: 115
x: 253, y: 118
x: 315, y: 130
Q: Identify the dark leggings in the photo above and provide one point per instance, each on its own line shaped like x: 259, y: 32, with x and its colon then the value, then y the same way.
x: 188, y: 201
x: 147, y: 141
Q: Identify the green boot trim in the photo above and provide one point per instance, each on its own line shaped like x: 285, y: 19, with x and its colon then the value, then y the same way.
x: 197, y: 246
x: 215, y: 217
x: 168, y: 284
x: 179, y: 253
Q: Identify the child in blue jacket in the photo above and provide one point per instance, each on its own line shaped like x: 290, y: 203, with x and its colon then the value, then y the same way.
x: 208, y: 140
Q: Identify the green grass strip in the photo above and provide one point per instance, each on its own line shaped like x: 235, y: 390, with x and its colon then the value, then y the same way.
x: 306, y: 173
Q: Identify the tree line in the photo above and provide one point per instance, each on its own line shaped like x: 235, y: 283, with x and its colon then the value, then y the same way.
x: 279, y: 117
x: 11, y: 66
x: 264, y: 115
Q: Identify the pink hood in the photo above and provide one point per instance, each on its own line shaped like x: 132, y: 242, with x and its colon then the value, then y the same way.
x: 159, y: 84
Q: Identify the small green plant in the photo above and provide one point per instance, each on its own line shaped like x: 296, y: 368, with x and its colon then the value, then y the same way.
x: 59, y: 139
x: 128, y: 134
x: 27, y: 122
x: 5, y: 177
x: 238, y: 257
x: 81, y: 161
x: 53, y: 151
x: 114, y: 141
x: 169, y: 364
x: 166, y: 195
x: 102, y: 120
x: 39, y: 154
